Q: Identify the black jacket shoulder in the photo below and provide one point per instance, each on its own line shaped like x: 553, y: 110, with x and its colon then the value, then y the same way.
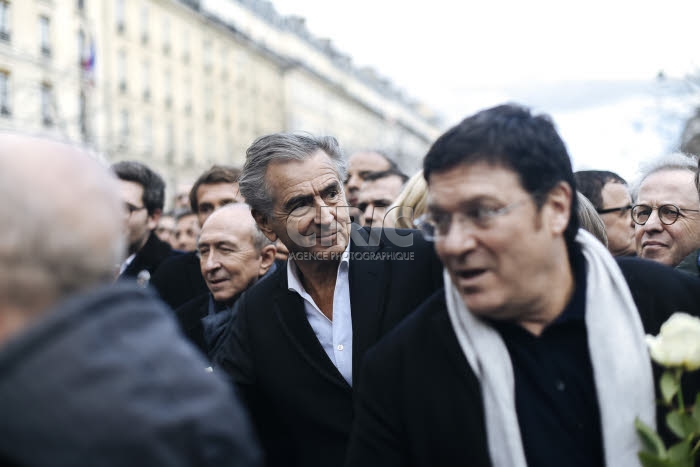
x: 659, y: 291
x: 179, y: 279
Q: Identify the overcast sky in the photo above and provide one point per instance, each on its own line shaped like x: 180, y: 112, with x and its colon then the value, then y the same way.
x: 592, y: 65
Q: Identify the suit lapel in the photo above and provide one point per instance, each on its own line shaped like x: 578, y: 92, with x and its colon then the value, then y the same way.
x: 289, y: 307
x: 368, y: 281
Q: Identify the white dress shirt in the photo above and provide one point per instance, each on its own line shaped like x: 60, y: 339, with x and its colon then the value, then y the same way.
x: 335, y: 336
x: 126, y: 264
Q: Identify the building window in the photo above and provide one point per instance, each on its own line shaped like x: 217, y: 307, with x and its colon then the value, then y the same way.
x: 208, y: 103
x: 146, y: 79
x: 46, y: 104
x: 5, y: 93
x: 147, y: 134
x: 124, y: 129
x: 4, y: 20
x: 144, y: 24
x: 119, y: 14
x: 166, y: 35
x: 80, y: 5
x: 224, y: 63
x: 45, y: 36
x: 82, y: 53
x: 186, y: 46
x: 121, y: 71
x: 210, y: 150
x: 169, y: 142
x: 189, y: 154
x: 188, y: 97
x: 83, y: 116
x: 226, y: 108
x: 168, y: 85
x: 208, y: 61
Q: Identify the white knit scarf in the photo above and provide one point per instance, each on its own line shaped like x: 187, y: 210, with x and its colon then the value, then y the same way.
x: 619, y: 356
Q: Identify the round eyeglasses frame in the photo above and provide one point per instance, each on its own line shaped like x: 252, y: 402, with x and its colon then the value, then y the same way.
x: 668, y: 213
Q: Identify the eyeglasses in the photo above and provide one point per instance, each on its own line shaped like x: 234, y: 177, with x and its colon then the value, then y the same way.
x: 437, y: 225
x: 621, y: 209
x: 130, y: 208
x: 668, y: 213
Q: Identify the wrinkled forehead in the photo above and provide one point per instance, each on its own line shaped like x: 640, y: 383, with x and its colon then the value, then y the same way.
x: 233, y: 229
x: 291, y: 178
x: 669, y: 186
x: 367, y: 162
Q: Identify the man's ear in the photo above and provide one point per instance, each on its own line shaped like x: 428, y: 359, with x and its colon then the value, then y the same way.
x: 267, y: 255
x: 264, y: 224
x: 153, y: 219
x: 558, y: 203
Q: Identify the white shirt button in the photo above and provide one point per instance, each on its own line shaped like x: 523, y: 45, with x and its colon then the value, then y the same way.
x: 340, y: 347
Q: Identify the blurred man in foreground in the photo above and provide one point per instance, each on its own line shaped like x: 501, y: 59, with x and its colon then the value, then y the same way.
x: 93, y: 374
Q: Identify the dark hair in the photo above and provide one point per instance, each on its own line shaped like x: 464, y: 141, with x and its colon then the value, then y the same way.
x: 591, y: 182
x: 372, y: 176
x: 152, y: 183
x: 216, y: 174
x: 184, y: 213
x: 511, y: 137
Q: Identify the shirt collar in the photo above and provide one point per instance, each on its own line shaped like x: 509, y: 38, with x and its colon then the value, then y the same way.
x: 293, y: 281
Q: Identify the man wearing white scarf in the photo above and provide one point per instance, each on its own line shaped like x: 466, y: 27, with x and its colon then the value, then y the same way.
x: 534, y: 353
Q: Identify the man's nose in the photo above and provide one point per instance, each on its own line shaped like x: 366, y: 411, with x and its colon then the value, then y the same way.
x: 211, y: 262
x: 654, y: 222
x: 368, y: 215
x: 324, y: 214
x: 460, y: 238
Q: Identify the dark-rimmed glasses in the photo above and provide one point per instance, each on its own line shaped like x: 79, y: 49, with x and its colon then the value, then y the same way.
x: 668, y: 213
x: 130, y: 208
x: 437, y: 225
x: 620, y: 209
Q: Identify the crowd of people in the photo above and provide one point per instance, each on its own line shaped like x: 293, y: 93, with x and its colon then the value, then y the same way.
x: 312, y: 309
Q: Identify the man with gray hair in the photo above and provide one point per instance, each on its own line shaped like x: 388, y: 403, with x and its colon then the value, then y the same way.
x: 233, y: 255
x: 299, y: 336
x: 93, y: 372
x: 667, y: 213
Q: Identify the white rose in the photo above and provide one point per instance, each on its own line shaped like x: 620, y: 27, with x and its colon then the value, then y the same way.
x: 678, y: 343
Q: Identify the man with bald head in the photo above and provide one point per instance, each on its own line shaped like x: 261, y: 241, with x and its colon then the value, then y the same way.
x: 233, y: 255
x: 77, y: 351
x: 178, y: 280
x: 667, y: 214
